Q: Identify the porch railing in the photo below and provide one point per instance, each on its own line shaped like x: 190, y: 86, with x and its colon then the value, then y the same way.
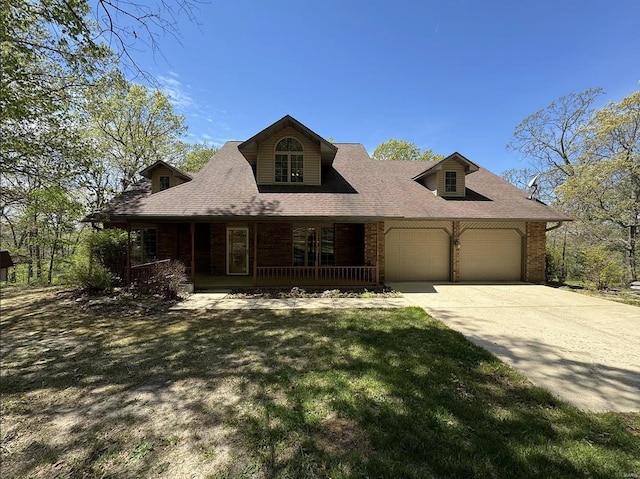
x: 323, y: 274
x: 140, y: 273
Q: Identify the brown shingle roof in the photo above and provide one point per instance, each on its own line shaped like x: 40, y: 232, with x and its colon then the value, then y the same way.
x: 355, y: 187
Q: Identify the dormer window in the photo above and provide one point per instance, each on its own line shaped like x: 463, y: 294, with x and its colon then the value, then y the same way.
x: 289, y: 164
x: 450, y: 182
x: 165, y: 183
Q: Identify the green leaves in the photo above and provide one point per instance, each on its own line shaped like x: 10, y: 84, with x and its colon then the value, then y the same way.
x: 394, y: 149
x: 197, y: 156
x: 590, y: 161
x: 130, y: 127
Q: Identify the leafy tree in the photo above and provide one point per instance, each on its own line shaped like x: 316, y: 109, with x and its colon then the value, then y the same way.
x: 605, y: 186
x: 403, y: 150
x: 589, y: 166
x: 47, y: 57
x: 53, y: 52
x: 553, y: 139
x: 129, y: 127
x: 196, y: 157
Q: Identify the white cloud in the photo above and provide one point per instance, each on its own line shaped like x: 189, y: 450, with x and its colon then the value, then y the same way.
x: 178, y: 94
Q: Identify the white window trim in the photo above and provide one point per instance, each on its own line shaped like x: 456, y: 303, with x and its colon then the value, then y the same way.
x: 288, y: 154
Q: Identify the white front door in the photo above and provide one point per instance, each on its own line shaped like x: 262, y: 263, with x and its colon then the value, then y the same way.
x: 238, y: 250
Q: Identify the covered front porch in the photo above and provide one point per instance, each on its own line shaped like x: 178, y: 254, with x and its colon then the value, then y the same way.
x: 222, y: 255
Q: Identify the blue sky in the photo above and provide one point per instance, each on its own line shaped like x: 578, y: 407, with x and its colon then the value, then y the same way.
x: 448, y: 75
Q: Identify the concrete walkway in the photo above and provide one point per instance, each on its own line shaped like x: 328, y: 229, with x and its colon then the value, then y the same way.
x: 222, y: 301
x: 585, y: 350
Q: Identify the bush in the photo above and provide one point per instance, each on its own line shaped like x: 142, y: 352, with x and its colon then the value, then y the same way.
x: 109, y: 248
x: 165, y: 279
x: 91, y: 277
x: 555, y: 267
x: 601, y: 267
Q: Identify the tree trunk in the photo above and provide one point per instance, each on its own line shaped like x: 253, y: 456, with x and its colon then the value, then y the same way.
x: 54, y: 247
x: 633, y: 267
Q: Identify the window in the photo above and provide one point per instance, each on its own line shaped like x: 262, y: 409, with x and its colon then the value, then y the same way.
x: 144, y: 243
x: 450, y: 182
x: 305, y: 250
x: 289, y: 161
x: 165, y: 182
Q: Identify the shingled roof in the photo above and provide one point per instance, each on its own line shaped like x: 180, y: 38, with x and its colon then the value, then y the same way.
x: 355, y: 187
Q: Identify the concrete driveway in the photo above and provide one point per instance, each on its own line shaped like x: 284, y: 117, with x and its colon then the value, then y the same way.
x: 584, y: 350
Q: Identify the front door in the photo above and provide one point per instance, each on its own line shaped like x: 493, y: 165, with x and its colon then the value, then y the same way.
x: 238, y: 250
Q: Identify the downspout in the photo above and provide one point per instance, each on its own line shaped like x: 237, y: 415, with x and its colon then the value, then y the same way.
x: 555, y: 227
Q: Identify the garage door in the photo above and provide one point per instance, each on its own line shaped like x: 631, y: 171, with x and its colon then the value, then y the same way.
x: 417, y: 254
x: 490, y: 255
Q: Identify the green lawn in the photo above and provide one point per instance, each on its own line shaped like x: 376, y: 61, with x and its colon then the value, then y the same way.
x: 108, y: 392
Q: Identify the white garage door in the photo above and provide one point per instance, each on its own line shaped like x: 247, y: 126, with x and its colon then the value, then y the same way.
x: 417, y: 254
x: 490, y: 255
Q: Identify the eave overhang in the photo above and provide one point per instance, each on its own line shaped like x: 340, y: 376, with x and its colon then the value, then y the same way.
x: 468, y: 165
x: 249, y: 148
x: 148, y: 171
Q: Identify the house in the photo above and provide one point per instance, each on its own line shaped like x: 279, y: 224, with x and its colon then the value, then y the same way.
x: 6, y: 262
x: 287, y: 207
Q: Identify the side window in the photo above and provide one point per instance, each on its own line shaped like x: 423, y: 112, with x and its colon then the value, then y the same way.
x: 165, y: 182
x: 289, y: 161
x: 144, y: 245
x: 450, y: 182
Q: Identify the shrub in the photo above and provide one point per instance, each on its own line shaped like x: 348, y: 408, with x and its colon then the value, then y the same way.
x: 90, y: 276
x: 165, y: 279
x: 601, y: 267
x: 555, y: 267
x: 109, y: 248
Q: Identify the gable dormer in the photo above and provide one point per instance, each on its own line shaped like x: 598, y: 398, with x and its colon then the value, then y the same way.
x: 288, y: 153
x: 164, y: 176
x: 446, y: 178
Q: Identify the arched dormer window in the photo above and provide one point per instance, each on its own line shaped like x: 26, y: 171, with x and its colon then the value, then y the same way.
x: 289, y: 165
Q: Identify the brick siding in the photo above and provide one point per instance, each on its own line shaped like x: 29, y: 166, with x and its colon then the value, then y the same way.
x: 536, y: 252
x: 166, y: 241
x: 374, y: 232
x: 455, y: 252
x: 349, y: 244
x: 274, y: 244
x: 218, y: 244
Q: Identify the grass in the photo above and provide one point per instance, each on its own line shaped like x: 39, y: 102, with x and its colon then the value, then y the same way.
x: 298, y: 393
x: 621, y: 295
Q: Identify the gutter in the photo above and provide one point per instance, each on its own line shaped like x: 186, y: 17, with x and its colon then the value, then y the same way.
x: 555, y: 227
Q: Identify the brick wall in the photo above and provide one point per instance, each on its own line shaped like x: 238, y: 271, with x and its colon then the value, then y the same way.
x: 455, y: 251
x: 166, y: 241
x: 373, y: 231
x: 183, y: 247
x: 203, y: 248
x: 218, y: 242
x: 536, y: 252
x: 349, y: 244
x: 274, y: 244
